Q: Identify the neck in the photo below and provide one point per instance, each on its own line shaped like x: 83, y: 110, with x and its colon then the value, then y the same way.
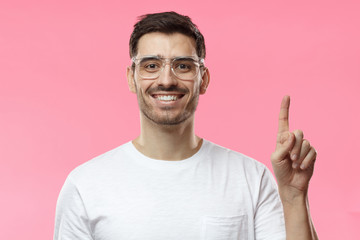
x: 167, y: 142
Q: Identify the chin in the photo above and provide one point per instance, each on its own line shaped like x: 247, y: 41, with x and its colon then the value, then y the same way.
x: 168, y: 121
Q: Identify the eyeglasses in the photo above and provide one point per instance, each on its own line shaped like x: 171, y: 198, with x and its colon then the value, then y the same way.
x: 184, y: 68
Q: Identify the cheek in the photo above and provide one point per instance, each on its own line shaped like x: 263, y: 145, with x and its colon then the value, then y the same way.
x: 144, y: 85
x: 194, y: 86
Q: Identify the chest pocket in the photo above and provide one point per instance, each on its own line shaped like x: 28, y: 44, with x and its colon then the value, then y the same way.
x: 225, y: 228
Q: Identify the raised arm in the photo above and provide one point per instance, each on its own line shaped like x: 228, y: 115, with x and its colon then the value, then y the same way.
x: 293, y: 163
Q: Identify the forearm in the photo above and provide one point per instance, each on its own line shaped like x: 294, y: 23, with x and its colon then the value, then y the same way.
x: 298, y: 221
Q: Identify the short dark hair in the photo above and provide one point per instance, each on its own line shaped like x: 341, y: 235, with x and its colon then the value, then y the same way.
x: 166, y: 22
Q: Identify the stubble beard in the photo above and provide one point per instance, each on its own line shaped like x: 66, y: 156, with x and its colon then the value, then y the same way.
x: 168, y: 119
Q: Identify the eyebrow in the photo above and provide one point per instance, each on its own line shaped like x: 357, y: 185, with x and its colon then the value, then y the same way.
x: 162, y: 57
x: 185, y: 58
x: 150, y: 57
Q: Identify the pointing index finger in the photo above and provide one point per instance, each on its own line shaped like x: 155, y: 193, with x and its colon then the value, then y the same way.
x: 284, y: 115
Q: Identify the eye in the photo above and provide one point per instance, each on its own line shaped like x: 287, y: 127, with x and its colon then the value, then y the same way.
x: 150, y: 65
x: 183, y: 66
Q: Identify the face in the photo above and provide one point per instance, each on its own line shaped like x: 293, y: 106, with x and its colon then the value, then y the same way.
x: 167, y: 100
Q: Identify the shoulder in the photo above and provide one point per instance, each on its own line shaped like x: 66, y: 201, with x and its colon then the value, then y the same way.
x: 99, y: 165
x: 223, y: 154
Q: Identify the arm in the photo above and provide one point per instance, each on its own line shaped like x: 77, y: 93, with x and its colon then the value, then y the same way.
x: 298, y: 221
x: 293, y: 163
x: 71, y: 220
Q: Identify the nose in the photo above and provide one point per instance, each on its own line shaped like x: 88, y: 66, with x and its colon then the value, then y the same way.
x: 166, y: 77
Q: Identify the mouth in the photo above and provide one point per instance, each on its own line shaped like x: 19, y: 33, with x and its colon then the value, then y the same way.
x: 167, y: 97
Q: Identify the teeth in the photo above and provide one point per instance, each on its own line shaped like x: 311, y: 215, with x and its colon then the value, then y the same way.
x: 167, y: 98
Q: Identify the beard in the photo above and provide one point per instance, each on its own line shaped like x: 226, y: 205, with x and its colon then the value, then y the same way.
x: 167, y: 116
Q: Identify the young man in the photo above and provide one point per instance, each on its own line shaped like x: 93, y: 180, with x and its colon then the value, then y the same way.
x: 169, y: 183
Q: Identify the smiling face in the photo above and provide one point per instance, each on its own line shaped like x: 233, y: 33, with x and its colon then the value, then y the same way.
x: 167, y: 100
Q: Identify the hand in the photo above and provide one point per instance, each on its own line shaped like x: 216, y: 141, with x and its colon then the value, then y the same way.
x: 293, y: 159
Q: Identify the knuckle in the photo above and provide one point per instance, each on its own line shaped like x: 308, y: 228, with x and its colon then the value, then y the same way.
x: 313, y: 149
x: 295, y: 151
x: 306, y: 143
x: 299, y: 133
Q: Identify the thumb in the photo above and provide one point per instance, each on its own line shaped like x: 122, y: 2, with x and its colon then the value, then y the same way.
x: 285, y: 143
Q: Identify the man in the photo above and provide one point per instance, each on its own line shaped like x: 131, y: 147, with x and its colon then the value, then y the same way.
x: 168, y: 183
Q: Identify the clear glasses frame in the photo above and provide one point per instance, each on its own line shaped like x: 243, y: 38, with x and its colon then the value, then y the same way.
x: 153, y: 72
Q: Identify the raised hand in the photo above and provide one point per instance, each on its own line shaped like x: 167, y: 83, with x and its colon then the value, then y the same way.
x: 293, y: 159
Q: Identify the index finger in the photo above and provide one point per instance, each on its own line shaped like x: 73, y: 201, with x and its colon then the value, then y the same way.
x: 284, y: 115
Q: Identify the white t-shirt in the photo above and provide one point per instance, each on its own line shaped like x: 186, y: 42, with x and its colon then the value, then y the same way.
x: 217, y: 194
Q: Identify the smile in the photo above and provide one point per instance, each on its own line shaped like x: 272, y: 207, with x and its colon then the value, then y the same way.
x: 169, y: 97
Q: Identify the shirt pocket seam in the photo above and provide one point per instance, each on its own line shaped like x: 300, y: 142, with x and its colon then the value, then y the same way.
x: 218, y: 227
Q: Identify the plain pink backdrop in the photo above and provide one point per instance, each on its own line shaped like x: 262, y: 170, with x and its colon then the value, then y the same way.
x: 64, y: 97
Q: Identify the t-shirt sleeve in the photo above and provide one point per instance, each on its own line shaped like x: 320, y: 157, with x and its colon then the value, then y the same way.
x: 269, y: 216
x: 71, y: 220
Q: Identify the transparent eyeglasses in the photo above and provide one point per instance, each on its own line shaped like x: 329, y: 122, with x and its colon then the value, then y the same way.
x: 184, y: 68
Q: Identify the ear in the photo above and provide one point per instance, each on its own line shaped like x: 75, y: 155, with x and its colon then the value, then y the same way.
x: 205, y: 81
x: 130, y: 79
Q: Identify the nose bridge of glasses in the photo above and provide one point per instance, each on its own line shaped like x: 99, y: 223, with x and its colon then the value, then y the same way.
x: 167, y: 72
x: 170, y: 70
x: 167, y: 61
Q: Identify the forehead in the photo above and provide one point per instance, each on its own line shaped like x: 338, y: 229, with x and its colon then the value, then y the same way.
x: 166, y: 45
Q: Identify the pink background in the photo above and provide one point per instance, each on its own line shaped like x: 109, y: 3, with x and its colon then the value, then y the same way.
x: 64, y: 97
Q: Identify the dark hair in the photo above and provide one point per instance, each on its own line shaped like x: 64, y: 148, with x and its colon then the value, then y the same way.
x: 166, y: 22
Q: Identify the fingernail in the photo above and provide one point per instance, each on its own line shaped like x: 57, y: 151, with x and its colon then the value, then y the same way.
x: 302, y: 166
x: 293, y: 157
x: 294, y: 165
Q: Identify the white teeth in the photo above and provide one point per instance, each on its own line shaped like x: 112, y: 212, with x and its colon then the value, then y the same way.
x: 167, y: 98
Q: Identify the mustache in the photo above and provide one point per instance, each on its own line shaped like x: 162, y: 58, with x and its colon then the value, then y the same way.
x: 168, y: 89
